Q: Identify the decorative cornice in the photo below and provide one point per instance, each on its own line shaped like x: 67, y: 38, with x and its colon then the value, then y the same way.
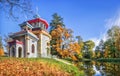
x: 16, y: 42
x: 22, y: 33
x: 32, y: 35
x: 25, y: 24
x: 46, y: 33
x: 42, y: 32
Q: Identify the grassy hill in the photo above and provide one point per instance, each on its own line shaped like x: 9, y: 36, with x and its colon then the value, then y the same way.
x: 36, y: 67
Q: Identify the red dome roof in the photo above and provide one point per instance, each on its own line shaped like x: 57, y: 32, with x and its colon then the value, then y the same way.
x: 38, y: 20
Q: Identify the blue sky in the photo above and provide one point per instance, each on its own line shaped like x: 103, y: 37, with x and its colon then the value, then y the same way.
x: 87, y: 18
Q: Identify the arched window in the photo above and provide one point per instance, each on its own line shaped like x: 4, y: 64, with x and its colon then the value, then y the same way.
x: 33, y: 48
x: 19, y: 52
x: 13, y: 52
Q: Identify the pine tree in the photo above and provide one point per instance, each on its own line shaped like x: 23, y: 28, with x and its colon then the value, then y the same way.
x: 57, y: 20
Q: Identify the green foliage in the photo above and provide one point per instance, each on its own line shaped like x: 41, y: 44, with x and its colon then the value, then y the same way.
x: 57, y: 20
x: 110, y: 48
x: 89, y: 45
x: 99, y: 50
x: 113, y: 42
x: 113, y: 32
x: 53, y: 50
x: 88, y: 49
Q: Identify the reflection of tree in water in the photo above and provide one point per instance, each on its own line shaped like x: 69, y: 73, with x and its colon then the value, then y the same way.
x: 108, y: 69
x: 80, y: 65
x: 113, y: 69
x: 88, y: 68
x: 100, y: 67
x: 105, y: 69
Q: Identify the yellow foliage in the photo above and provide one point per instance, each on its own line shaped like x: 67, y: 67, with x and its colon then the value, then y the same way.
x: 58, y: 49
x: 61, y: 34
x: 54, y: 46
x: 57, y: 45
x: 73, y: 57
x: 67, y: 35
x: 65, y: 53
x: 75, y: 47
x: 53, y: 33
x: 106, y: 51
x: 59, y: 30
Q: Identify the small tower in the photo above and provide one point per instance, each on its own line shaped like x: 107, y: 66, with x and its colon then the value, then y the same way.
x: 40, y: 30
x: 38, y: 23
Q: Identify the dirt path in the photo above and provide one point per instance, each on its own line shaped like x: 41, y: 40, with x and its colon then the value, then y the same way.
x: 63, y: 61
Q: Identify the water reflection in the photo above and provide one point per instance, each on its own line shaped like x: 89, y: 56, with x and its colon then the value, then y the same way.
x: 99, y: 68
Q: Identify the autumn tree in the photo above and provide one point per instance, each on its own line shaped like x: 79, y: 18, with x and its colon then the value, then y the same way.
x: 64, y: 45
x: 75, y: 51
x: 111, y: 47
x: 99, y: 50
x: 57, y: 20
x: 88, y: 49
x: 113, y: 42
x: 1, y: 47
x: 81, y: 44
x: 60, y: 36
x: 108, y: 46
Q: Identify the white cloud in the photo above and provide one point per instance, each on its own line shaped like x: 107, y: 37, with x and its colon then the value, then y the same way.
x: 95, y: 40
x: 113, y: 21
x: 109, y: 23
x: 103, y: 36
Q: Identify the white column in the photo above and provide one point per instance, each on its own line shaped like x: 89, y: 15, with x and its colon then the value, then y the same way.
x: 16, y: 51
x: 26, y: 46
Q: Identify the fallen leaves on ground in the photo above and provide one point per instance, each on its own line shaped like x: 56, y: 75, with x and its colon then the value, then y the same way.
x: 23, y: 67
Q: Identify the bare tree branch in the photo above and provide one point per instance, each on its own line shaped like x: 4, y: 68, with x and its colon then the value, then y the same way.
x: 14, y: 8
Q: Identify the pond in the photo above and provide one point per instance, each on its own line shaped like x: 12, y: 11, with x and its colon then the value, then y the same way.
x: 99, y: 68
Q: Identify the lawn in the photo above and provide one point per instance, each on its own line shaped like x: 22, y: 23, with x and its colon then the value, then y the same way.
x: 36, y: 67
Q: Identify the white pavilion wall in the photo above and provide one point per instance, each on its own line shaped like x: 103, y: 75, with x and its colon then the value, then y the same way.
x: 44, y: 40
x: 30, y: 42
x: 17, y: 48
